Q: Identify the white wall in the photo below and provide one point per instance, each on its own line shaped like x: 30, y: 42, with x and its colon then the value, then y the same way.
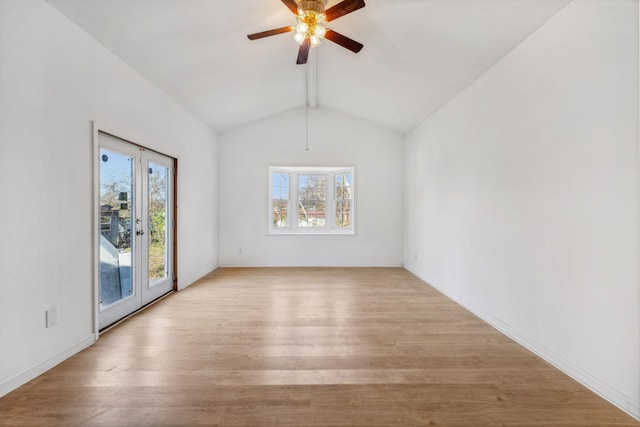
x: 336, y: 139
x: 133, y: 109
x: 522, y: 196
x: 54, y: 81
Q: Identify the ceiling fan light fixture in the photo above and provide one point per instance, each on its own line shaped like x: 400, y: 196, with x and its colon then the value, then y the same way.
x: 320, y: 31
x: 311, y: 22
x: 299, y: 38
x: 302, y: 28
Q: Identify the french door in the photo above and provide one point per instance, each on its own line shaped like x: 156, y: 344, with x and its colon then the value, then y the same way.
x: 135, y: 229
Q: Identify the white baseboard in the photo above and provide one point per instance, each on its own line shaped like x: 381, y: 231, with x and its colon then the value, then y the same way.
x: 294, y: 265
x: 604, y: 390
x: 26, y: 376
x: 182, y: 284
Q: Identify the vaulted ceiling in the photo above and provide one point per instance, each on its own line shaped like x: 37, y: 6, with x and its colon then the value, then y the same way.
x: 417, y: 56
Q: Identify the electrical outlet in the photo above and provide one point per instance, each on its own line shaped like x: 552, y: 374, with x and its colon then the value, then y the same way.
x: 52, y: 316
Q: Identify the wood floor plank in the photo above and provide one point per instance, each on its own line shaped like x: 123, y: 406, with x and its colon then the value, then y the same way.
x: 306, y: 347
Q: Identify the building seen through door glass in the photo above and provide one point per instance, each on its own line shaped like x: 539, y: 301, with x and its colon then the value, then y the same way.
x: 116, y: 204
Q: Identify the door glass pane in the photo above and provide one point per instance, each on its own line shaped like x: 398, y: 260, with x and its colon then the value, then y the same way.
x: 158, y: 229
x: 116, y: 205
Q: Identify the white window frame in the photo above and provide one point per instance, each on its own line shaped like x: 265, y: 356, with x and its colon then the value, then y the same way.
x: 331, y: 226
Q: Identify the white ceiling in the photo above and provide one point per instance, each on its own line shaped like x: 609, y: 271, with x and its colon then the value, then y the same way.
x: 418, y: 54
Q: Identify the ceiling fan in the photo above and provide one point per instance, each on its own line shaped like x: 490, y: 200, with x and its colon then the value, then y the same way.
x: 311, y: 28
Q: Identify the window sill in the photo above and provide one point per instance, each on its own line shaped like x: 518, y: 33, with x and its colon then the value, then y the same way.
x: 349, y: 232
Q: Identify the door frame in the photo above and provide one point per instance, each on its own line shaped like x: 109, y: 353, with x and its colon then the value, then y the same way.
x: 95, y: 219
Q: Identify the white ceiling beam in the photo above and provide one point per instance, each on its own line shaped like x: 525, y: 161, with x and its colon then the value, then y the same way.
x: 312, y: 83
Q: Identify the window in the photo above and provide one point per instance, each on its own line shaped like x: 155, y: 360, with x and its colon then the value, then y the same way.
x: 311, y: 200
x: 280, y: 196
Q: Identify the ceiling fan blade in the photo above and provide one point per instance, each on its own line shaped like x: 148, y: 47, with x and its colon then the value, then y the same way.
x: 263, y: 34
x: 344, y: 41
x: 303, y: 53
x: 292, y: 5
x: 341, y: 9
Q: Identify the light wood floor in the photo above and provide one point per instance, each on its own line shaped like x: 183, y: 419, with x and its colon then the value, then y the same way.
x: 306, y: 347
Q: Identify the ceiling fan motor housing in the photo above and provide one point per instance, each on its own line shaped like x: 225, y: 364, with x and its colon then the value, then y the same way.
x: 312, y: 5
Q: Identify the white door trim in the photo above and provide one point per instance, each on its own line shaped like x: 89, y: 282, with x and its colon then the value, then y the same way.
x: 149, y: 155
